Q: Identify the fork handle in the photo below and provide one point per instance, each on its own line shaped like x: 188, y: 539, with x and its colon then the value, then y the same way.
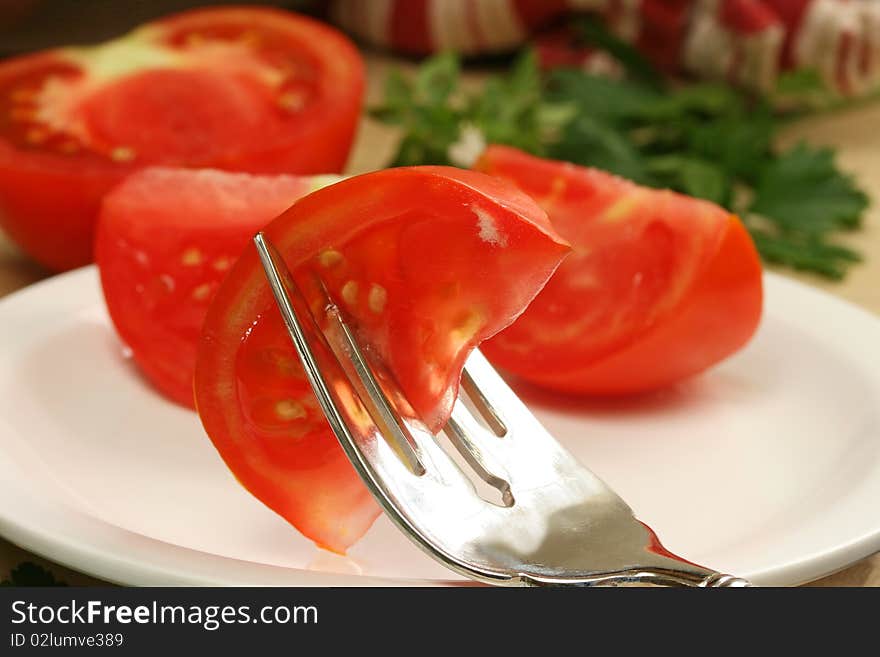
x: 661, y: 576
x: 719, y: 580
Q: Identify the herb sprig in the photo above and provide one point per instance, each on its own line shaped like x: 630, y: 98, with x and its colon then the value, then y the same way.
x: 30, y: 574
x: 707, y: 140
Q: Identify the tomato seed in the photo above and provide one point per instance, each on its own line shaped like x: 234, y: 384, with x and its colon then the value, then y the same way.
x: 329, y: 257
x: 69, y: 147
x: 292, y: 101
x: 557, y: 190
x: 202, y: 292
x: 350, y: 292
x: 622, y: 209
x: 288, y: 409
x: 250, y: 38
x: 222, y: 263
x: 36, y: 136
x: 192, y: 257
x: 163, y: 285
x: 377, y: 298
x: 122, y: 154
x: 283, y: 363
x: 466, y: 327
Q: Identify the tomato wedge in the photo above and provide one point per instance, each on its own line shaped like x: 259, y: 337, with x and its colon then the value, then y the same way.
x: 427, y: 262
x: 243, y: 89
x: 659, y: 286
x: 165, y: 240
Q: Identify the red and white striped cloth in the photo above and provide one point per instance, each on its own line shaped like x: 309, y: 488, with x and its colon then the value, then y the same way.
x: 424, y: 26
x: 748, y: 42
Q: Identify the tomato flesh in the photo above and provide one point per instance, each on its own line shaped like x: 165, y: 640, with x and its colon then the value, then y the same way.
x: 242, y: 89
x: 166, y: 238
x: 658, y: 286
x: 426, y: 262
x: 192, y: 131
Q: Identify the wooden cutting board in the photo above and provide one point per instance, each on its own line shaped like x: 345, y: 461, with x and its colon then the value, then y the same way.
x: 854, y: 132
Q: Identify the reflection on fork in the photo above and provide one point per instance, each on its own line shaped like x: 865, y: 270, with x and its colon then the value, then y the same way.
x: 551, y: 522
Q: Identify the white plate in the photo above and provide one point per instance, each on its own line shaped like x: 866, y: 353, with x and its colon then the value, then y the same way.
x: 768, y: 467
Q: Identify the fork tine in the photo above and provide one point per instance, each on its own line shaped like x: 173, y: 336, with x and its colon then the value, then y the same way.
x: 483, y: 405
x: 460, y: 433
x: 282, y: 286
x: 288, y: 296
x: 383, y: 413
x: 526, y: 450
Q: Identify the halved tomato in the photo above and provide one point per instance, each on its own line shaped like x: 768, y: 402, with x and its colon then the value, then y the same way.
x: 243, y: 89
x: 427, y: 262
x: 165, y: 240
x: 659, y: 286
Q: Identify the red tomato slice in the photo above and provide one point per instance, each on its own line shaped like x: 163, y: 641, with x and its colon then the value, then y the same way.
x: 659, y: 286
x: 427, y: 262
x: 243, y: 89
x: 166, y: 238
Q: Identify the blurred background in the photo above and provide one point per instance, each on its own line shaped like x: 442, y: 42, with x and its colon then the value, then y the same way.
x: 27, y: 25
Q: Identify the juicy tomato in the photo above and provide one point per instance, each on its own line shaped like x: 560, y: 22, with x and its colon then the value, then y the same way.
x: 658, y: 287
x: 426, y: 262
x: 165, y: 240
x: 243, y: 89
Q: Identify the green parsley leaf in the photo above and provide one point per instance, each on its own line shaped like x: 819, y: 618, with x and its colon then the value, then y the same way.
x: 30, y: 574
x: 437, y: 79
x: 804, y: 253
x: 704, y: 100
x: 803, y: 192
x: 509, y: 109
x: 800, y: 81
x: 734, y: 144
x: 693, y: 176
x: 589, y: 141
x: 617, y: 102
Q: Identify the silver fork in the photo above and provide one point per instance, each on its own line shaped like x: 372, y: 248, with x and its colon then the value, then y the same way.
x: 553, y: 522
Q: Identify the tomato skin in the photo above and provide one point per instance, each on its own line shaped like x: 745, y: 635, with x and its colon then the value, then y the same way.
x: 719, y: 316
x: 707, y: 300
x: 376, y: 228
x: 165, y: 240
x: 323, y: 136
x: 51, y: 184
x: 50, y: 211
